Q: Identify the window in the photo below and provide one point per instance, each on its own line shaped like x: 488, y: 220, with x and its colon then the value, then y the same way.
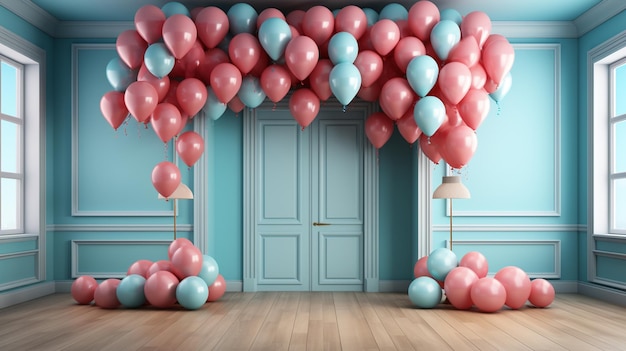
x: 11, y: 147
x: 617, y: 153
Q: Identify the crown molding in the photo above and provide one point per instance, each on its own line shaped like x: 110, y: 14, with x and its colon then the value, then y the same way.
x: 93, y: 29
x: 598, y: 14
x: 32, y: 14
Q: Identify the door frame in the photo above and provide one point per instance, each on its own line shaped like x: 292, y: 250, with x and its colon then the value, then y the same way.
x: 370, y: 195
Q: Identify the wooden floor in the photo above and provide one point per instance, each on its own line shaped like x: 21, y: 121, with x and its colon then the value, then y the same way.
x: 312, y: 321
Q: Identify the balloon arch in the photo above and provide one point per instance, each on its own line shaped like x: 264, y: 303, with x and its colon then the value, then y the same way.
x: 432, y: 72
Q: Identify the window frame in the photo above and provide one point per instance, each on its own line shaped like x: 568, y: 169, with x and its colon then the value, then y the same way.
x: 613, y: 120
x: 19, y: 120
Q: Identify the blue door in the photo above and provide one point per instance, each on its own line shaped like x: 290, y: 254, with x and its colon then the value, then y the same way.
x: 309, y: 201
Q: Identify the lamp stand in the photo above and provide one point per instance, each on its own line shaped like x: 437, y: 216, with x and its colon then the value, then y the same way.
x: 450, y: 225
x: 175, y: 219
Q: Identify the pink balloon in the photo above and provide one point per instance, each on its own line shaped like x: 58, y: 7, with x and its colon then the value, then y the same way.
x: 541, y: 293
x: 396, y: 97
x: 295, y: 18
x: 269, y: 12
x: 458, y: 286
x: 192, y: 60
x: 385, y: 35
x: 160, y: 265
x: 423, y: 15
x: 370, y: 65
x: 474, y: 107
x: 421, y: 268
x: 149, y: 20
x: 179, y: 34
x: 212, y: 58
x: 236, y: 105
x: 454, y: 80
x: 160, y: 289
x: 488, y: 294
x: 406, y: 49
x: 304, y: 106
x: 405, y: 30
x: 497, y: 58
x: 460, y: 146
x: 429, y: 149
x: 275, y: 82
x: 83, y: 289
x: 319, y: 79
x: 475, y: 261
x: 318, y: 24
x: 139, y: 267
x: 186, y: 261
x: 217, y: 289
x: 476, y: 24
x: 166, y: 121
x: 212, y: 26
x: 189, y: 147
x: 225, y: 81
x: 408, y: 128
x: 301, y: 56
x: 161, y: 85
x: 131, y: 47
x: 113, y: 108
x: 105, y: 295
x: 466, y: 51
x: 191, y: 95
x: 372, y: 92
x: 351, y: 19
x: 244, y: 51
x: 141, y: 99
x: 177, y: 244
x: 479, y: 76
x: 378, y: 129
x: 165, y: 178
x: 517, y: 286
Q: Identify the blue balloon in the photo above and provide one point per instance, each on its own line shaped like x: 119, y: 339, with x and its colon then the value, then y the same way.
x: 274, y: 35
x: 174, y: 8
x: 371, y: 15
x: 452, y: 15
x: 119, y: 75
x: 503, y: 88
x: 425, y: 292
x: 242, y: 18
x: 251, y: 94
x: 210, y: 270
x: 343, y: 47
x: 213, y: 107
x: 130, y: 292
x: 429, y: 113
x: 422, y: 73
x: 345, y: 82
x: 192, y: 292
x: 158, y: 59
x: 440, y: 262
x: 444, y: 36
x: 394, y: 12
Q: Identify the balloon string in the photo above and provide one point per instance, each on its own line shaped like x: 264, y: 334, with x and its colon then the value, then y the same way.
x: 344, y: 108
x: 165, y: 151
x: 274, y: 107
x: 499, y: 109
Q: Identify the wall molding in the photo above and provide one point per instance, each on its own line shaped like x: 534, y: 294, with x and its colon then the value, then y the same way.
x: 75, y: 248
x: 510, y: 228
x: 25, y: 294
x: 123, y: 228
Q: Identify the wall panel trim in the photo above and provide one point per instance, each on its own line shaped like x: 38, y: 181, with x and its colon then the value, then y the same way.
x: 118, y: 228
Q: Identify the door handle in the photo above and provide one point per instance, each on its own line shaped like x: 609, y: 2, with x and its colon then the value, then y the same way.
x: 317, y: 224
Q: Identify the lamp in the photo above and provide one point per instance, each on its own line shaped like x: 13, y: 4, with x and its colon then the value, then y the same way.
x: 451, y: 188
x: 181, y: 192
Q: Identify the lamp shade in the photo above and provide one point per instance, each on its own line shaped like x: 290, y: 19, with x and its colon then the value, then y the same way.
x: 451, y: 188
x: 182, y: 192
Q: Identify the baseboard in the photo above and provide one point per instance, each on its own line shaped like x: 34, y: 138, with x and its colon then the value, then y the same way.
x: 65, y: 286
x: 604, y: 293
x: 28, y: 293
x: 560, y: 286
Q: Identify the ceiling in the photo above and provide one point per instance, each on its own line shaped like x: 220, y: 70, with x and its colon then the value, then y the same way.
x: 512, y: 18
x: 498, y: 10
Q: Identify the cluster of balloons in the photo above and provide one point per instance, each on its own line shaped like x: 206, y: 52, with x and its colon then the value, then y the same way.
x: 465, y: 284
x: 187, y: 278
x: 432, y: 72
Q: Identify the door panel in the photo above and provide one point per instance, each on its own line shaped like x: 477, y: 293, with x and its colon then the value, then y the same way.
x: 302, y: 177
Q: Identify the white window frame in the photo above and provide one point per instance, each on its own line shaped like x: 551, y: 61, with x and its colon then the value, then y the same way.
x: 599, y: 110
x: 19, y: 172
x: 613, y: 120
x: 33, y: 59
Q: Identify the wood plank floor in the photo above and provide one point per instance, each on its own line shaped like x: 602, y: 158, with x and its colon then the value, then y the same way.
x: 312, y: 321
